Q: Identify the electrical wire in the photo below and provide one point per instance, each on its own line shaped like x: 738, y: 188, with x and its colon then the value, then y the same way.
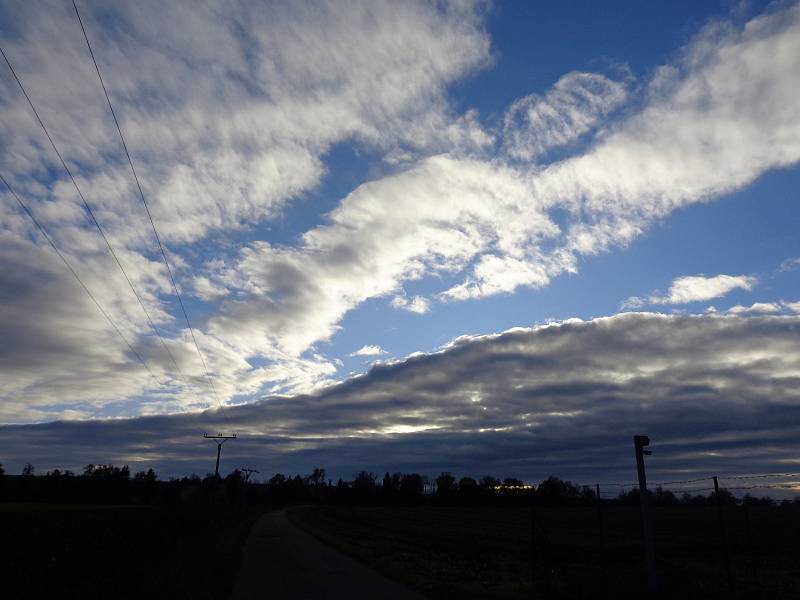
x: 89, y: 209
x: 44, y: 233
x: 146, y: 207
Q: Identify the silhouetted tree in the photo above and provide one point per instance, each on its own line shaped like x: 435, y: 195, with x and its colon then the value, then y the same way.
x: 490, y: 483
x: 412, y: 484
x: 364, y: 481
x: 749, y: 500
x: 277, y: 480
x: 148, y: 476
x: 445, y: 484
x: 316, y: 477
x: 554, y: 491
x: 27, y: 470
x: 726, y: 498
x: 467, y: 483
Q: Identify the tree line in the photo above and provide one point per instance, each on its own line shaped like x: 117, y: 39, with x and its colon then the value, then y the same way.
x: 107, y: 484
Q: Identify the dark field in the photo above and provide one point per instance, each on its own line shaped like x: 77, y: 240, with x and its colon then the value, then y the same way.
x: 80, y: 551
x: 485, y: 552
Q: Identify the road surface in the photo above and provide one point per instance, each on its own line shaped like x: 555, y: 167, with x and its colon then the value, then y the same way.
x: 280, y: 561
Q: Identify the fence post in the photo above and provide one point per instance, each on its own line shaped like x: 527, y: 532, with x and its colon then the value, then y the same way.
x: 533, y: 538
x: 639, y: 443
x: 601, y: 539
x: 753, y: 551
x: 544, y: 565
x: 723, y: 538
x: 601, y: 533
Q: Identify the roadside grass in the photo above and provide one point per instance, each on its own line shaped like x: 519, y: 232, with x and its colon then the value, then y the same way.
x: 486, y: 552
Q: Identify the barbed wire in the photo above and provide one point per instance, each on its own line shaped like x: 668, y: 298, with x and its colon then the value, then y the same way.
x: 698, y: 479
x: 663, y: 483
x: 760, y: 476
x: 786, y: 486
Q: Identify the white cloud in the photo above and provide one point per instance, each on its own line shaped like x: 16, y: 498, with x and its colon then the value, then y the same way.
x: 432, y: 218
x: 757, y: 307
x: 417, y: 304
x: 790, y: 264
x: 290, y: 80
x: 205, y: 290
x: 792, y: 306
x: 575, y: 104
x: 728, y: 113
x: 766, y: 308
x: 695, y: 288
x: 369, y: 351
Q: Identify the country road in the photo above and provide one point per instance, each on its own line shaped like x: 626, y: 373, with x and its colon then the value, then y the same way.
x: 282, y: 562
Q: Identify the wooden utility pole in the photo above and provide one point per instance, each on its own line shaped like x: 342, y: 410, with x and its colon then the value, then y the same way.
x: 639, y: 443
x: 219, y: 439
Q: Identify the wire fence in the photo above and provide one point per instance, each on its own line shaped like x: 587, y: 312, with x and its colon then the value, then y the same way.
x: 700, y: 541
x: 676, y: 486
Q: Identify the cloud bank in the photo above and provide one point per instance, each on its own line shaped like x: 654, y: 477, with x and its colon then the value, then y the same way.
x: 717, y: 394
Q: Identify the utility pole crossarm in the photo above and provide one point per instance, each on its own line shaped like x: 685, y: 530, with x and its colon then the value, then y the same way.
x: 219, y: 439
x: 219, y: 436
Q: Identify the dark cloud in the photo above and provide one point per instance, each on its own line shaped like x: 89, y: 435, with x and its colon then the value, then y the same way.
x: 717, y: 394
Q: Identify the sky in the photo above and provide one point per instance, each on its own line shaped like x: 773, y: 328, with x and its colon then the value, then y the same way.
x: 469, y: 236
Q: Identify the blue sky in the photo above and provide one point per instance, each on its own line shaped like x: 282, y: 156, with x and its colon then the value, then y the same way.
x: 344, y: 187
x: 751, y: 231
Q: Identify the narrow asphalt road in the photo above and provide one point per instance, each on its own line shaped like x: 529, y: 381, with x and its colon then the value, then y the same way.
x: 282, y: 562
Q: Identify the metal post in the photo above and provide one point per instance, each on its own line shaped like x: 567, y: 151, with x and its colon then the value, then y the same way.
x: 639, y: 443
x: 722, y: 537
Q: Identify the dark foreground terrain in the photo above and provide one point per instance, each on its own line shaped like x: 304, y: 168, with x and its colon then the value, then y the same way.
x: 107, y: 534
x: 486, y: 552
x: 110, y: 552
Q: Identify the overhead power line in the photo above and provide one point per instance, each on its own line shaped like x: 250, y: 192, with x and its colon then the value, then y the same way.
x: 146, y: 207
x: 89, y: 210
x: 77, y: 277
